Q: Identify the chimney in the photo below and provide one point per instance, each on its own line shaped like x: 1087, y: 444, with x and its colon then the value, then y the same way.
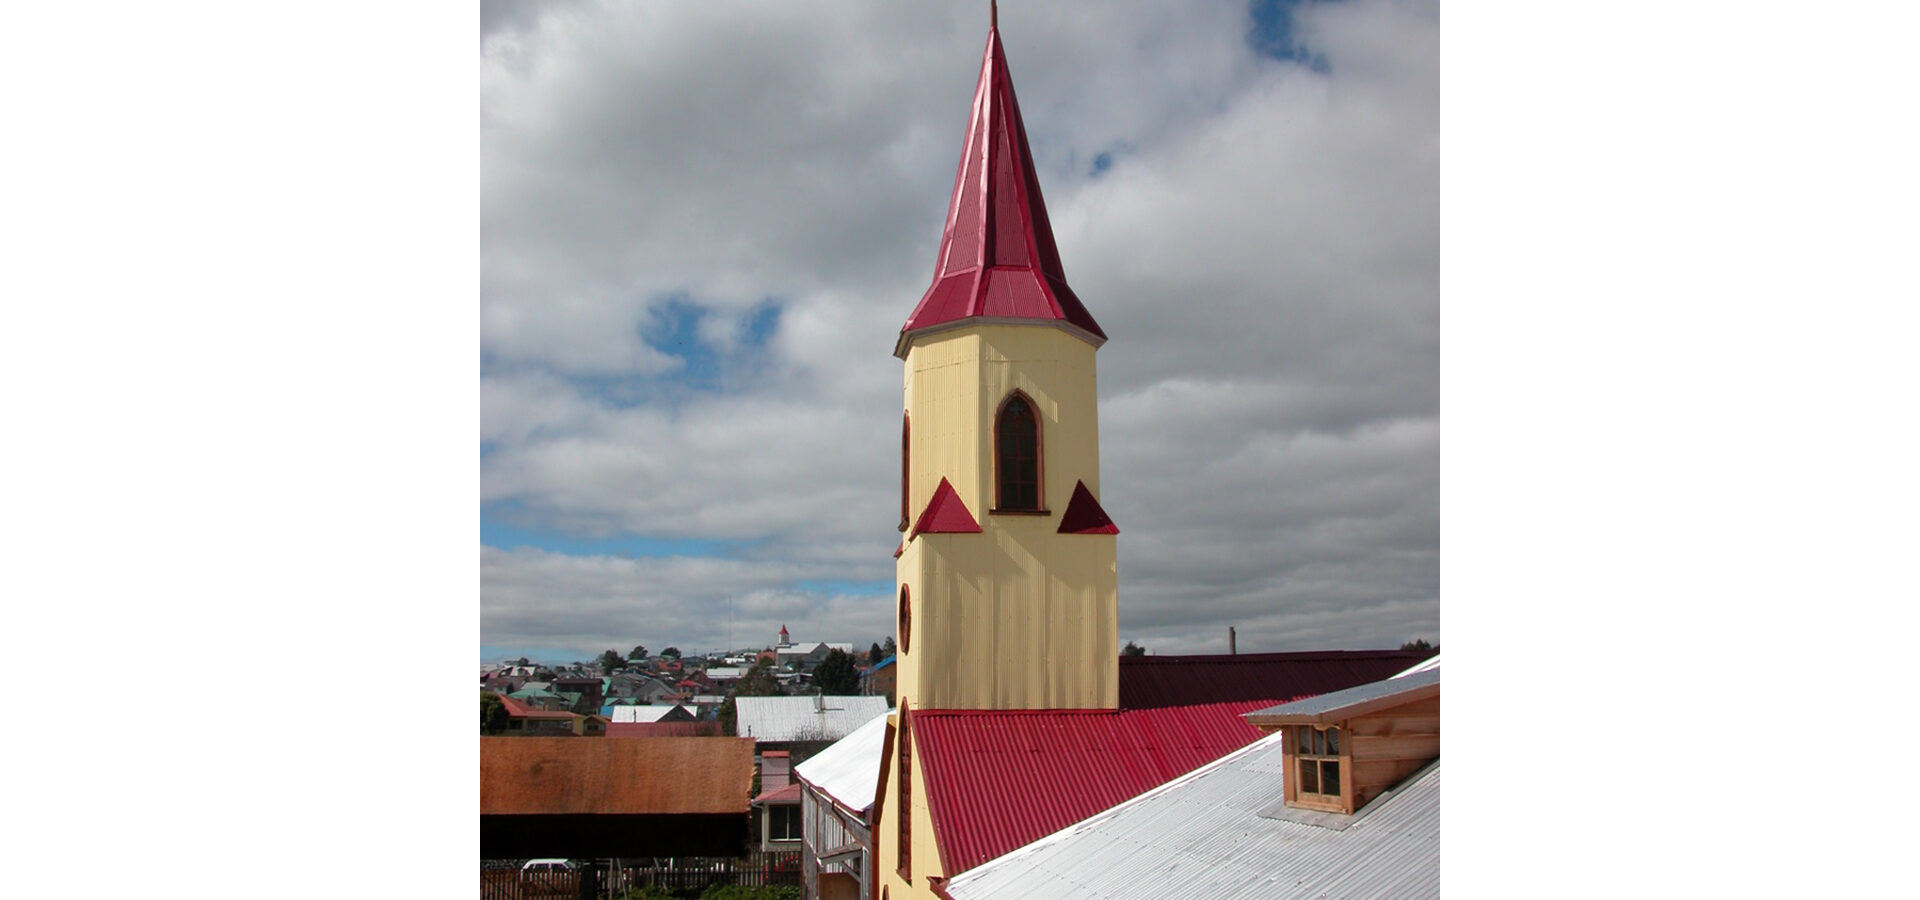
x: 1232, y: 645
x: 775, y: 767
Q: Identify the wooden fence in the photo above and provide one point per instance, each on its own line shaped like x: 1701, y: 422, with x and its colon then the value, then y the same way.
x: 687, y: 876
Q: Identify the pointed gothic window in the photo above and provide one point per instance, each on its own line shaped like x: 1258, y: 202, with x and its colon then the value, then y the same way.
x: 1016, y: 456
x: 906, y: 447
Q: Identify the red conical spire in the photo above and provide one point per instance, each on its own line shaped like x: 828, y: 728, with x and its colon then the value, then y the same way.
x: 997, y: 258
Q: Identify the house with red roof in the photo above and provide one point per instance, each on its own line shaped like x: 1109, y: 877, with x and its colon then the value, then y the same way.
x: 525, y: 719
x: 1016, y: 716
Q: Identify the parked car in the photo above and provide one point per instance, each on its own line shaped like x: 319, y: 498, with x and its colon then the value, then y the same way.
x: 542, y: 870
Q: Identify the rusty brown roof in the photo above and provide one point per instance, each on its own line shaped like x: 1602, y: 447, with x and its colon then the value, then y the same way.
x: 540, y: 775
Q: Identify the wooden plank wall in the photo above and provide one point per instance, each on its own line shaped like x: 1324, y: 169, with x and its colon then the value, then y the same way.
x: 1388, y: 746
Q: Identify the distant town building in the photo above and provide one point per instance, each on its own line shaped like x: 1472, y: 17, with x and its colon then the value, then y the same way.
x: 878, y: 680
x: 836, y: 812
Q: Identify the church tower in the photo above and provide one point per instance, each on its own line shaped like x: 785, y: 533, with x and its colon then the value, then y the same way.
x: 1007, y: 585
x: 1007, y: 594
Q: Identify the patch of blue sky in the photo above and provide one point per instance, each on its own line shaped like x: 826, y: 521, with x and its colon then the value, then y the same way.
x: 1272, y: 34
x: 674, y: 329
x: 504, y: 536
x: 846, y: 588
x: 703, y: 367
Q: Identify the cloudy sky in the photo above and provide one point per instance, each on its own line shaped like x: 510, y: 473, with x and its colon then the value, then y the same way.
x: 704, y: 223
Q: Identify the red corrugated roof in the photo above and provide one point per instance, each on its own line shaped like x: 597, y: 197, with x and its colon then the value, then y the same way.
x: 1084, y: 515
x: 997, y: 256
x: 997, y: 780
x: 1155, y: 681
x: 520, y: 710
x: 946, y: 513
x: 788, y: 794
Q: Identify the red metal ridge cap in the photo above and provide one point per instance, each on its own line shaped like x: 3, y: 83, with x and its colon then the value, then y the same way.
x: 997, y: 256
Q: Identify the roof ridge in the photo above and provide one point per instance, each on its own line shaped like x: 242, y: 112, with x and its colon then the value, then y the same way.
x: 1269, y: 656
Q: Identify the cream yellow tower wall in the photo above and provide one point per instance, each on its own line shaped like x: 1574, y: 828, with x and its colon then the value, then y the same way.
x: 926, y: 848
x: 1018, y: 616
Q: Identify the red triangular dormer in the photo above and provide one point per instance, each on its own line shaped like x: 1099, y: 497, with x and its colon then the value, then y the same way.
x: 997, y: 256
x: 946, y: 513
x: 1084, y: 515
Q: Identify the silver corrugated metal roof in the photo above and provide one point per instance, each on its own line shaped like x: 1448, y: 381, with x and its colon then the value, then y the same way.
x: 1387, y: 687
x: 642, y: 713
x: 799, y: 719
x: 849, y: 770
x: 1432, y: 663
x: 1201, y: 836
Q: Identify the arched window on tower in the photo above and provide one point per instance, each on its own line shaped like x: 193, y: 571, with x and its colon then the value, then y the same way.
x: 906, y: 468
x: 1016, y: 455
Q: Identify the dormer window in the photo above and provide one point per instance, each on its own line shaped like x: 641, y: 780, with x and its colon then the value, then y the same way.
x: 1317, y: 764
x: 1344, y: 749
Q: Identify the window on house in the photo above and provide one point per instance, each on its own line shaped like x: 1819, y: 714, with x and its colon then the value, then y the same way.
x: 906, y: 450
x: 1316, y: 765
x: 783, y: 823
x: 905, y: 801
x: 1016, y: 451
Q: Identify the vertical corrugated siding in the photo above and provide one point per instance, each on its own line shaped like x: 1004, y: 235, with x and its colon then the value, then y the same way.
x: 997, y: 780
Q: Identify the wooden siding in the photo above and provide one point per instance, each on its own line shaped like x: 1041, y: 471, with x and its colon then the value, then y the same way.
x: 1389, y: 745
x: 1377, y: 751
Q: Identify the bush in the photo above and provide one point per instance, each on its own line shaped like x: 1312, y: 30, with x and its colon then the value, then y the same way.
x: 649, y: 892
x: 742, y: 892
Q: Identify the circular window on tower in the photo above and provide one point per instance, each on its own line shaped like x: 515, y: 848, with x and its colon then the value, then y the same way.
x: 906, y: 618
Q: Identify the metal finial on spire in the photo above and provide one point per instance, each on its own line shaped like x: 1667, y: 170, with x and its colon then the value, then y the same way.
x: 993, y: 13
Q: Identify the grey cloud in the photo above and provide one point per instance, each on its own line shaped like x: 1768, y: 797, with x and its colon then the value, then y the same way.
x: 563, y: 605
x: 1263, y: 252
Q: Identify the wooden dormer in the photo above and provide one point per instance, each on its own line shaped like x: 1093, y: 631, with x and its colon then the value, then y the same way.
x: 1345, y: 748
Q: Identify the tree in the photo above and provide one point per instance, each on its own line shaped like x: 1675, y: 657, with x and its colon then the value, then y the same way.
x: 836, y: 675
x: 889, y: 648
x: 873, y: 654
x: 638, y: 652
x: 1133, y: 649
x: 671, y: 651
x: 758, y: 682
x: 523, y: 662
x: 1421, y: 645
x: 493, y: 713
x: 610, y: 661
